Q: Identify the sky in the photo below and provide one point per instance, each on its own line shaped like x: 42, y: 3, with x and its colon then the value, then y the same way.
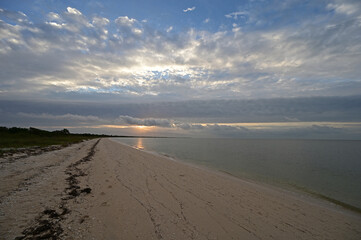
x: 200, y: 68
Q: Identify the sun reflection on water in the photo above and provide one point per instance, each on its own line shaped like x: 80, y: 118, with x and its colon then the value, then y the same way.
x: 140, y: 143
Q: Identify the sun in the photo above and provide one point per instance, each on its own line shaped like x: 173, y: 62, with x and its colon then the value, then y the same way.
x: 143, y: 128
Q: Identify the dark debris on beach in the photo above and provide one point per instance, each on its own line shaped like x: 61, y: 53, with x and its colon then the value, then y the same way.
x: 48, y: 223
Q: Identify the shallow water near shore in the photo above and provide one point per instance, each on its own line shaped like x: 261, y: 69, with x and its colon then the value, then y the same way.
x: 326, y: 168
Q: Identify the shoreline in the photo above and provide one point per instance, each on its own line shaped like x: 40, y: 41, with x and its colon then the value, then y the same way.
x: 107, y: 190
x: 294, y: 190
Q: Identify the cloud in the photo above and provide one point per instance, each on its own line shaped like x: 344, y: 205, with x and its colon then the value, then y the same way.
x: 206, y: 20
x: 77, y: 57
x: 315, y: 109
x: 129, y: 27
x: 55, y: 24
x: 73, y: 11
x: 276, y: 53
x: 70, y: 117
x: 169, y: 29
x: 201, y: 119
x: 18, y: 17
x: 236, y: 15
x: 190, y: 126
x: 47, y: 120
x: 125, y: 20
x: 348, y: 7
x: 54, y: 16
x: 189, y: 9
x: 145, y: 122
x: 100, y: 21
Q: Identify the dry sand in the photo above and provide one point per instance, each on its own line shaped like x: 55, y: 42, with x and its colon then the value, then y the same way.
x: 105, y: 190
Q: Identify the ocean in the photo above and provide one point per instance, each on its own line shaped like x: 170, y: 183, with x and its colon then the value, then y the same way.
x: 330, y: 169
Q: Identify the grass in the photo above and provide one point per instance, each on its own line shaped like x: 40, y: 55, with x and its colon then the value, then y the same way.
x: 12, y: 139
x: 20, y: 141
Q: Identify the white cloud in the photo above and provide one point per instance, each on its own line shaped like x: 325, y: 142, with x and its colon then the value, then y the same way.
x: 73, y: 11
x: 137, y: 31
x: 73, y: 55
x: 18, y: 17
x: 206, y: 20
x: 169, y: 29
x: 235, y: 15
x: 189, y: 9
x: 54, y: 16
x: 345, y: 7
x: 125, y: 20
x: 21, y: 13
x: 54, y: 24
x: 100, y: 21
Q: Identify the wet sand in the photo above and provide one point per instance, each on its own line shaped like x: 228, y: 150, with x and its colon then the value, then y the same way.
x: 106, y: 190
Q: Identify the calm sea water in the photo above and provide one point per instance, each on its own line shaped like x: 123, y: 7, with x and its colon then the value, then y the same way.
x: 331, y: 168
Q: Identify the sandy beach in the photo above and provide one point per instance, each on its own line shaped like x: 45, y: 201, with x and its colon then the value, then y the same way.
x: 101, y: 189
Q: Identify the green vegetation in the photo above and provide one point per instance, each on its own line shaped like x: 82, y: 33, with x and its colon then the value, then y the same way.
x: 13, y: 138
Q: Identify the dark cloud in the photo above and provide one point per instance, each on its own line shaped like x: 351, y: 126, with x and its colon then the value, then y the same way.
x: 188, y: 126
x: 186, y: 119
x: 145, y: 122
x: 258, y: 110
x: 49, y: 120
